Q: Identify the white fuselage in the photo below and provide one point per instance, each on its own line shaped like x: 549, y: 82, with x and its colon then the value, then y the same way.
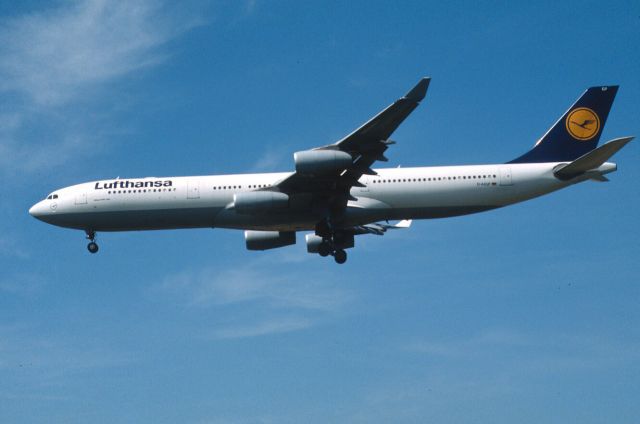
x: 207, y: 201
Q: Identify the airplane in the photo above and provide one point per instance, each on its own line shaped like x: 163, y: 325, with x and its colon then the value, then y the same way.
x: 335, y: 194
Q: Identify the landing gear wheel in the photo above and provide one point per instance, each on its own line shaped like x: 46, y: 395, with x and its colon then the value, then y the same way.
x: 92, y: 246
x: 324, y: 249
x: 340, y: 256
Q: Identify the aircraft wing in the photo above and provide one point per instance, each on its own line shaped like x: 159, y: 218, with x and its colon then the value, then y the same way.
x: 365, y: 145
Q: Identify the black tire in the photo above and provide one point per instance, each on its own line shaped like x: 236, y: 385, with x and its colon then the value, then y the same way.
x: 324, y: 249
x: 92, y: 247
x: 340, y: 256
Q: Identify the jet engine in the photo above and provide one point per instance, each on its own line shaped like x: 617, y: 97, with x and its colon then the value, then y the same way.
x: 341, y: 240
x: 313, y: 243
x: 256, y: 202
x: 263, y: 240
x: 321, y: 162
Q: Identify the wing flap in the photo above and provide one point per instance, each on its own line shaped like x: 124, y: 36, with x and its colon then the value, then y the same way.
x: 379, y: 229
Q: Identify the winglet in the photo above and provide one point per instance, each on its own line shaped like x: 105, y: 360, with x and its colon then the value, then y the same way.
x: 418, y: 92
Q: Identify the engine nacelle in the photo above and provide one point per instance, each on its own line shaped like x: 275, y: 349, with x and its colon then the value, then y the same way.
x: 313, y: 242
x: 256, y: 202
x: 263, y: 240
x: 321, y: 162
x: 341, y: 241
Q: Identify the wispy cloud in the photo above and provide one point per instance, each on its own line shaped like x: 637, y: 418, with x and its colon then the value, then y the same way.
x: 531, y: 352
x: 261, y: 328
x: 250, y: 6
x: 56, y: 64
x: 24, y: 284
x: 11, y: 248
x: 461, y: 347
x: 53, y: 57
x: 259, y: 300
x: 273, y: 159
x: 485, y: 368
x: 38, y: 365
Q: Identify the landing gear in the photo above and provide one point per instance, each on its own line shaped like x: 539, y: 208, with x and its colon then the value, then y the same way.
x: 324, y: 249
x: 92, y: 246
x: 340, y: 256
x: 335, y: 240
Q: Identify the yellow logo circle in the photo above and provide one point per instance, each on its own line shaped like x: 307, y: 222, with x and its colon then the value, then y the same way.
x: 582, y: 123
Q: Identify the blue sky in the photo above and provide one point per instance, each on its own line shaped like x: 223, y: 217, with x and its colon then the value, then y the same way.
x: 526, y: 314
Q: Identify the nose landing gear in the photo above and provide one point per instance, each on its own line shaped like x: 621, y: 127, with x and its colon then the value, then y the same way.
x: 92, y: 247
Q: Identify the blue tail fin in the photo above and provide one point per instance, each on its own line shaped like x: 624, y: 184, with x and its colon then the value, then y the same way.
x: 577, y: 132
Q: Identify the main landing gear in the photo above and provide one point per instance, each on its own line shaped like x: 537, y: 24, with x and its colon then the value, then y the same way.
x: 328, y: 248
x: 340, y: 256
x: 92, y: 246
x: 334, y: 242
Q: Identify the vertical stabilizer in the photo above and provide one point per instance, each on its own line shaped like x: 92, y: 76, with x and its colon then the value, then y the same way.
x: 577, y: 132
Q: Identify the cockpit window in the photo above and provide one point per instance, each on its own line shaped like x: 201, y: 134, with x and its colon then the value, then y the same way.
x: 52, y: 196
x: 55, y: 196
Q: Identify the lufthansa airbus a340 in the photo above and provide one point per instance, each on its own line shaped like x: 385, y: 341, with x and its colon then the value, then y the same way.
x: 335, y: 194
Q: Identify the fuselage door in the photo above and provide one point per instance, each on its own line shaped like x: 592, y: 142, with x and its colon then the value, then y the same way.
x: 505, y: 176
x: 193, y: 189
x: 81, y: 199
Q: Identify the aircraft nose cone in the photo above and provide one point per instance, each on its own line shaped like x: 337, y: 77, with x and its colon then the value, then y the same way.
x: 36, y: 210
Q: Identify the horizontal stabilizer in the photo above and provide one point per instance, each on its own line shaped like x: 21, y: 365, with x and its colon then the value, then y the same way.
x: 591, y: 160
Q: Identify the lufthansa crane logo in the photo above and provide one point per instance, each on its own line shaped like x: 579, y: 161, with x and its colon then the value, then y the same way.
x: 583, y: 124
